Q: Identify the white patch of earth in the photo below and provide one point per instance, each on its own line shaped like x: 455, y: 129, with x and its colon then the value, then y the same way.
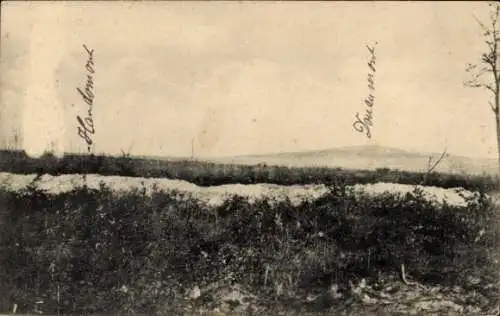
x: 216, y: 195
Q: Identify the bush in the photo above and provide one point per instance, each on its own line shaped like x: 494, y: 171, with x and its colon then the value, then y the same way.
x: 209, y: 174
x: 95, y: 251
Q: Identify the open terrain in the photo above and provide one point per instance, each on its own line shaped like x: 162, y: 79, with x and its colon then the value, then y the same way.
x: 213, y: 171
x: 369, y: 158
x: 93, y: 236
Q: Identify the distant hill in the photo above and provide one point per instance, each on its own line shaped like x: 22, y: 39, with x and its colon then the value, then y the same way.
x: 351, y: 165
x: 369, y: 157
x: 350, y: 158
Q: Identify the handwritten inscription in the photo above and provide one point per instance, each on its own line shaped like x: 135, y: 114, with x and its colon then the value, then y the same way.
x: 364, y: 124
x: 85, y: 126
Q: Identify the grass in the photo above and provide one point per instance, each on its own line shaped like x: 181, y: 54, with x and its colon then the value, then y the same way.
x: 209, y: 174
x: 96, y: 251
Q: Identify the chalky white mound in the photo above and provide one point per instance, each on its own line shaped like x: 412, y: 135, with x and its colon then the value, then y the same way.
x: 216, y: 195
x: 453, y: 196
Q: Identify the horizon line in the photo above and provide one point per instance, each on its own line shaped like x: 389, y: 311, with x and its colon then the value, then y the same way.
x: 247, y: 155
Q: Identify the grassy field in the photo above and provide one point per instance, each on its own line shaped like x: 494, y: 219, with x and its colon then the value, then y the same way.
x: 205, y: 173
x: 95, y: 251
x: 99, y: 251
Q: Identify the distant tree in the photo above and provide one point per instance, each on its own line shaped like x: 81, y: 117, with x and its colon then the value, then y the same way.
x: 486, y: 74
x: 432, y: 166
x: 16, y: 139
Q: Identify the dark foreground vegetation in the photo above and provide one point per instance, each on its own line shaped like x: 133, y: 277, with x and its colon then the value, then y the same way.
x: 93, y: 251
x: 207, y: 173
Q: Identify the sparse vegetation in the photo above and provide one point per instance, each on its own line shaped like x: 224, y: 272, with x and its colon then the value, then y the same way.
x: 99, y: 251
x: 209, y: 174
x: 95, y: 251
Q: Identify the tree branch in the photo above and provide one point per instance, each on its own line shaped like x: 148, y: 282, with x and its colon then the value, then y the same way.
x: 430, y: 168
x: 470, y: 67
x: 493, y: 108
x: 429, y: 162
x: 480, y: 23
x: 437, y: 162
x: 484, y: 70
x: 475, y: 84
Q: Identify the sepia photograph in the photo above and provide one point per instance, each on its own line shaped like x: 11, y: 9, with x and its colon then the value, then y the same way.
x: 250, y: 158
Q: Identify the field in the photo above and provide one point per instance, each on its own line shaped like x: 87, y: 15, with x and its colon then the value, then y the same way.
x: 100, y: 236
x: 207, y: 173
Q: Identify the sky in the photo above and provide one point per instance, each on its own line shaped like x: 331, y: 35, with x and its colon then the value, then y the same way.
x: 236, y: 78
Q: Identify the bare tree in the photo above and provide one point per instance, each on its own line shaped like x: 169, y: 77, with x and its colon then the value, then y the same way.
x: 431, y: 166
x: 486, y: 74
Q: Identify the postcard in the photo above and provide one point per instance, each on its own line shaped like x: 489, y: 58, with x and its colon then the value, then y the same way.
x: 167, y: 157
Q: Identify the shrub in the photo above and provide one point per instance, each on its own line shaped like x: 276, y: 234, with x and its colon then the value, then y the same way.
x: 91, y: 251
x: 208, y: 174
